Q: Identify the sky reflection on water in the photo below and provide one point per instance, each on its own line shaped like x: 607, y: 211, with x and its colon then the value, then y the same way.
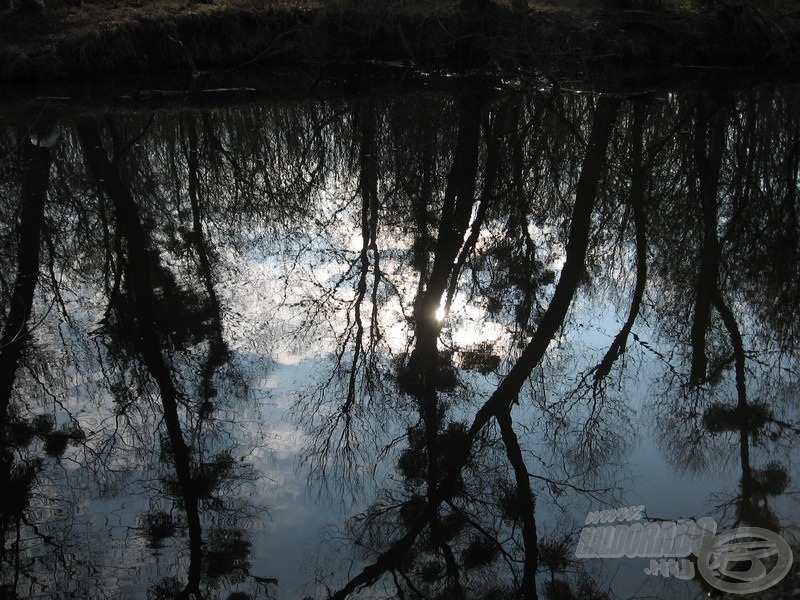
x: 350, y: 345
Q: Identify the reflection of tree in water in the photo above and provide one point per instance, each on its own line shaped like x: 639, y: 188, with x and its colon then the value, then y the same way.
x: 27, y: 441
x: 149, y: 314
x: 408, y: 228
x: 162, y: 325
x: 733, y: 189
x: 162, y: 336
x: 434, y: 536
x: 436, y: 553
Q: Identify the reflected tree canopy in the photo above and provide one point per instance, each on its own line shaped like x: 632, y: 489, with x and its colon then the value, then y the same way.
x: 469, y: 308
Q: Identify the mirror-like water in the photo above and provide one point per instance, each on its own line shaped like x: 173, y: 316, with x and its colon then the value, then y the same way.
x: 395, y: 346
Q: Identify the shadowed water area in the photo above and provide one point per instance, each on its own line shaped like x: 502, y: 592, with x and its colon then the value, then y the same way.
x: 396, y: 345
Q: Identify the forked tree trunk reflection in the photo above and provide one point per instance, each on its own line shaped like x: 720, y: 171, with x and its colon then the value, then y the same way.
x: 499, y: 405
x: 636, y: 199
x: 425, y: 368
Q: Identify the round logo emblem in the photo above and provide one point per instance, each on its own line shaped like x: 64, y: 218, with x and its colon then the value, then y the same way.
x: 744, y: 560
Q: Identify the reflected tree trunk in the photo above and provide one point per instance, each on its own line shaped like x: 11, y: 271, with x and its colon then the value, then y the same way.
x: 455, y: 217
x: 217, y: 350
x: 454, y: 221
x: 789, y: 235
x: 641, y: 172
x: 368, y: 184
x: 577, y: 245
x: 709, y: 143
x: 495, y: 125
x: 526, y: 505
x: 37, y: 162
x: 368, y: 259
x: 519, y: 217
x: 138, y: 270
x: 424, y: 363
x: 16, y: 334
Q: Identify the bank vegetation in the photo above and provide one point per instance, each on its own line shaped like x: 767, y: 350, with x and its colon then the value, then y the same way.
x: 70, y: 38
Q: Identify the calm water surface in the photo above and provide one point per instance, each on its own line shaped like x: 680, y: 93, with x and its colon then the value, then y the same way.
x: 395, y: 346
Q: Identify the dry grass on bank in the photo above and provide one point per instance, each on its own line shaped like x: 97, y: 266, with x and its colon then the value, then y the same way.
x: 77, y: 18
x: 96, y: 37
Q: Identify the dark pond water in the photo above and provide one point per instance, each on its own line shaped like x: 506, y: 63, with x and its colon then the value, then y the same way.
x: 398, y: 345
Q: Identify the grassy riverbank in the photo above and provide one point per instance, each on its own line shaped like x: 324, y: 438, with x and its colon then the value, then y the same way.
x: 147, y: 36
